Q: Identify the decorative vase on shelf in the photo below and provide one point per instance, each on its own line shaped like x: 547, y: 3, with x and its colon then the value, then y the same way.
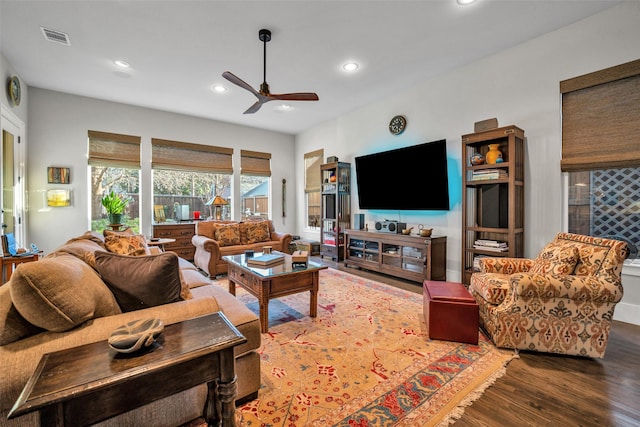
x: 494, y: 154
x: 476, y: 159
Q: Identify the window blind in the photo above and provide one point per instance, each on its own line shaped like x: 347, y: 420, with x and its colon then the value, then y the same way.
x: 312, y: 162
x: 115, y: 150
x: 601, y: 119
x: 176, y: 155
x: 255, y: 163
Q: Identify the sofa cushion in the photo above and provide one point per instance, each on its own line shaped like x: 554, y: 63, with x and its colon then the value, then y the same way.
x: 13, y: 326
x: 254, y: 232
x: 134, y: 244
x: 59, y: 293
x: 83, y: 249
x: 228, y: 234
x: 556, y: 258
x: 206, y: 228
x: 141, y: 282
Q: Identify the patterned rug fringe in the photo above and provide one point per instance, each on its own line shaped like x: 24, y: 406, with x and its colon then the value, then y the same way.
x: 458, y: 412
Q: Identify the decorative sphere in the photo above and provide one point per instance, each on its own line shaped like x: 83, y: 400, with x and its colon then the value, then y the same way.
x: 499, y: 160
x: 477, y: 159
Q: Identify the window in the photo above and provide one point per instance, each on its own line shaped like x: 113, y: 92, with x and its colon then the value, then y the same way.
x: 312, y: 162
x: 114, y: 162
x: 601, y: 152
x: 187, y: 178
x: 606, y: 203
x: 254, y: 184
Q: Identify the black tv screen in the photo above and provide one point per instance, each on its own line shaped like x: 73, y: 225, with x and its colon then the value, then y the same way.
x: 409, y: 178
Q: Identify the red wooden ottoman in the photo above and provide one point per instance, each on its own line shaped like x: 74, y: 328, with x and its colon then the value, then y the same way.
x: 450, y: 311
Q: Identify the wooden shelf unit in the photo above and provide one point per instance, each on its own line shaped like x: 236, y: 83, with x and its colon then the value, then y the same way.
x: 493, y: 209
x: 182, y: 233
x: 409, y: 257
x: 335, y: 208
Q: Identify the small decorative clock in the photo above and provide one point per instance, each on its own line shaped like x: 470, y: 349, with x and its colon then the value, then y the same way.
x: 14, y: 90
x: 397, y: 125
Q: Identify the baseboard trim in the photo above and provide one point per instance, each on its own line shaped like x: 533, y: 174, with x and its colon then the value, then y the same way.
x: 628, y: 313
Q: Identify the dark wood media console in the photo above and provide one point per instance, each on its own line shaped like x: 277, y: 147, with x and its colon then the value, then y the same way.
x: 409, y: 257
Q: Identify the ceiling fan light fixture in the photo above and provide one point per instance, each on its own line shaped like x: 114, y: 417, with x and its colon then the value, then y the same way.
x: 217, y: 88
x: 122, y: 63
x: 350, y: 66
x: 465, y: 2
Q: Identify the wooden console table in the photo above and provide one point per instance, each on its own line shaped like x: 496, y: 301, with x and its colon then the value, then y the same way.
x: 91, y: 383
x: 409, y: 257
x: 8, y: 263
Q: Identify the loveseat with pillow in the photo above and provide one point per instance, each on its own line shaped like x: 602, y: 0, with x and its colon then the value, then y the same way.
x: 215, y: 239
x: 81, y: 292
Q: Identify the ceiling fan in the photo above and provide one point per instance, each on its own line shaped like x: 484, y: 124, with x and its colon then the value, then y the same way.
x: 264, y: 95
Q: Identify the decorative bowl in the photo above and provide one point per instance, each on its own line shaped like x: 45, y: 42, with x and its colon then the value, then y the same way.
x: 425, y: 232
x: 476, y: 159
x: 135, y: 335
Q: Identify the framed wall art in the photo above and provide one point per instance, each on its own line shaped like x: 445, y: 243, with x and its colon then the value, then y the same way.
x: 57, y: 175
x: 58, y: 198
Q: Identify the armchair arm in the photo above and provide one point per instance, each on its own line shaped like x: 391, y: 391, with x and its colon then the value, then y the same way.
x: 207, y: 253
x: 578, y: 288
x: 505, y: 265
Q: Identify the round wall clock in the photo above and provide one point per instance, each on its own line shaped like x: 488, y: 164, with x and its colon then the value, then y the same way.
x: 14, y: 90
x: 397, y: 125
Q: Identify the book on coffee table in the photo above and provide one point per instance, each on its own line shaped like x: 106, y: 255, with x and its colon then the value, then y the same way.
x: 265, y: 260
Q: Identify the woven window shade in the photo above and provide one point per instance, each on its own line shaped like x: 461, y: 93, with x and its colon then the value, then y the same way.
x: 114, y: 150
x: 255, y: 163
x: 175, y: 155
x: 601, y: 119
x: 312, y: 162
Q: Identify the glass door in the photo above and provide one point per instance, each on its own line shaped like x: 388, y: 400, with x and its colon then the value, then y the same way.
x: 11, y: 179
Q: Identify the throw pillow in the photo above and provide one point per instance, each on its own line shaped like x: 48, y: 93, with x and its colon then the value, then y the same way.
x: 141, y: 282
x: 254, y: 232
x: 60, y: 293
x: 13, y: 326
x: 124, y: 232
x: 228, y: 234
x: 556, y: 259
x: 135, y: 244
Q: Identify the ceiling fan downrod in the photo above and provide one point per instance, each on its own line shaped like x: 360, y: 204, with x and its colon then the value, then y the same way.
x: 264, y: 36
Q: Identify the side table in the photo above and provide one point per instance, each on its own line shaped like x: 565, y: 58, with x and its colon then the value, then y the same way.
x: 9, y: 262
x: 91, y: 383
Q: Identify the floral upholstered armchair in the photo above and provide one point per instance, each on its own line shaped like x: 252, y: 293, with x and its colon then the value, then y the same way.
x: 561, y: 302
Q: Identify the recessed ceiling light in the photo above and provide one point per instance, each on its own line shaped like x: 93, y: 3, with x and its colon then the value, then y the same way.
x: 350, y: 66
x: 121, y: 63
x: 465, y: 2
x: 219, y: 88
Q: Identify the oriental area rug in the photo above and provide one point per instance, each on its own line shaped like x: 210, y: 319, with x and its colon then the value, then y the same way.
x: 365, y: 360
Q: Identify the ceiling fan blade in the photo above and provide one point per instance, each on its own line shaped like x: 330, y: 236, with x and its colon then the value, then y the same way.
x: 239, y: 82
x: 300, y: 96
x: 255, y: 107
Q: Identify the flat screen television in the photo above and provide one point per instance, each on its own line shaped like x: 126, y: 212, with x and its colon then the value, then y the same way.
x: 409, y: 178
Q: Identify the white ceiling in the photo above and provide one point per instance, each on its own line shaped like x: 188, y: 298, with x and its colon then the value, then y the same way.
x: 179, y: 49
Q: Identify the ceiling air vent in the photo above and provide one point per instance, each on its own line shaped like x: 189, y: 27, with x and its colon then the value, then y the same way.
x: 56, y: 36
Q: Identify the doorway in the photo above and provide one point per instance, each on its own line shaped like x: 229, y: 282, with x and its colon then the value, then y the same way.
x: 12, y: 159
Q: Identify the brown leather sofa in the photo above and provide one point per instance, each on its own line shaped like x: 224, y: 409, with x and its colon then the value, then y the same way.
x: 215, y: 239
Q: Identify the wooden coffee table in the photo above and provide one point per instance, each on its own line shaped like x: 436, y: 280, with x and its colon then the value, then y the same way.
x: 90, y: 383
x: 278, y: 281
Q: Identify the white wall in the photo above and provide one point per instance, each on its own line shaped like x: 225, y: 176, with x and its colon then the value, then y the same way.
x: 519, y: 86
x: 58, y: 125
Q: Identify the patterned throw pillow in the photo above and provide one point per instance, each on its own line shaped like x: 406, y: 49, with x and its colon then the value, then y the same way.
x: 254, y: 232
x: 135, y: 245
x: 556, y: 259
x: 228, y: 234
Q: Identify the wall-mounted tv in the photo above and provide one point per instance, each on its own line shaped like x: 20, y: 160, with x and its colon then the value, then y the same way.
x: 409, y: 178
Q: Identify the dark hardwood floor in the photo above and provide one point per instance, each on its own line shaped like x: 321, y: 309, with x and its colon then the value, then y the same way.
x: 550, y: 390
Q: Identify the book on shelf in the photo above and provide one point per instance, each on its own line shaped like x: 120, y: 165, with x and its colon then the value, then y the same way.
x: 265, y: 260
x: 491, y: 248
x: 480, y: 175
x: 493, y: 243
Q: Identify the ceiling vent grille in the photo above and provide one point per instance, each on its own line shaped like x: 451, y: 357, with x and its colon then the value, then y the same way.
x: 56, y: 36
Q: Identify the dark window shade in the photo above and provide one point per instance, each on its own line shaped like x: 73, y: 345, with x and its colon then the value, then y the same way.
x: 255, y: 163
x: 176, y: 155
x: 601, y: 119
x: 312, y: 175
x: 115, y: 150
